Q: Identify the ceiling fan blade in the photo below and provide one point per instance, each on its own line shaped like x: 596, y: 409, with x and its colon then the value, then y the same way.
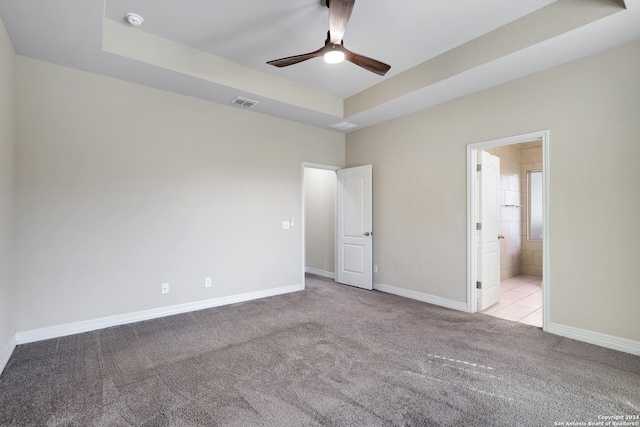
x: 290, y: 60
x: 339, y: 14
x: 370, y: 64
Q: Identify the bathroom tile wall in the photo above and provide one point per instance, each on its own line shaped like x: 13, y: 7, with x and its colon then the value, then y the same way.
x: 517, y: 255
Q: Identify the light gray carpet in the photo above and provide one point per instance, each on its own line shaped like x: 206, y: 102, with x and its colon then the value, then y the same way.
x: 330, y: 355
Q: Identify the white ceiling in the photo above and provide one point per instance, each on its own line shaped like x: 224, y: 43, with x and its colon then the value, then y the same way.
x: 222, y: 47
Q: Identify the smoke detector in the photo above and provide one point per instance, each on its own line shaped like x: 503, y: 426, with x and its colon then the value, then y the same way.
x: 134, y: 19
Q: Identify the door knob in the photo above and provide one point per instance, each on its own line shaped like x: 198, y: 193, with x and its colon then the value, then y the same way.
x: 366, y: 233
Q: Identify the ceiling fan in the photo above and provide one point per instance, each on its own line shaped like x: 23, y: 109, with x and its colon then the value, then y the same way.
x: 334, y: 50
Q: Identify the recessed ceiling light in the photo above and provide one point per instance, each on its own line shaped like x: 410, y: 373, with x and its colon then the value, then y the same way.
x: 134, y: 19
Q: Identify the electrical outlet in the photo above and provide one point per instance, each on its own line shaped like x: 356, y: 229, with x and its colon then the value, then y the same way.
x: 286, y: 225
x: 207, y: 282
x: 165, y: 288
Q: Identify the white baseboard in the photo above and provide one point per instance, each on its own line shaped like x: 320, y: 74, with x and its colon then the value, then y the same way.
x: 431, y: 299
x: 603, y: 340
x: 321, y: 273
x: 106, y: 322
x: 7, y: 354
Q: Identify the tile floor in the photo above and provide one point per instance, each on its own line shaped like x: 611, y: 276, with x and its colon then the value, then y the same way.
x: 520, y: 300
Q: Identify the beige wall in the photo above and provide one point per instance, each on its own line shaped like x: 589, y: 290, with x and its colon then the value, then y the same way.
x: 591, y: 108
x: 7, y: 160
x: 320, y: 208
x: 121, y: 187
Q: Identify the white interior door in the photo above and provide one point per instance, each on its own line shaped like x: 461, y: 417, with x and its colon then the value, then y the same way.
x: 354, y: 258
x: 489, y: 244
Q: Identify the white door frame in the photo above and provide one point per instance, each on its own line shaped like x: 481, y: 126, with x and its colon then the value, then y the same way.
x: 306, y: 165
x: 472, y: 256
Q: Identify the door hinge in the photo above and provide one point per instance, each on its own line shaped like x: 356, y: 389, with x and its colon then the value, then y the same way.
x: 478, y: 226
x: 478, y: 167
x: 478, y: 285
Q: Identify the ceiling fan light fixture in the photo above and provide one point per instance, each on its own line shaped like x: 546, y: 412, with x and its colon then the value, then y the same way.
x: 334, y: 55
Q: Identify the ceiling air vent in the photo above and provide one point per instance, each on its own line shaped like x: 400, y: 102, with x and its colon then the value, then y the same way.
x: 344, y: 126
x: 244, y: 102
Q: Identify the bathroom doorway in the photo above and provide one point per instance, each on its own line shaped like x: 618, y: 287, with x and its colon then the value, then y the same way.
x: 522, y: 210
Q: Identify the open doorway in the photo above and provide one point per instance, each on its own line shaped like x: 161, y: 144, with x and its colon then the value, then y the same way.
x: 523, y: 292
x: 337, y: 233
x: 319, y: 219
